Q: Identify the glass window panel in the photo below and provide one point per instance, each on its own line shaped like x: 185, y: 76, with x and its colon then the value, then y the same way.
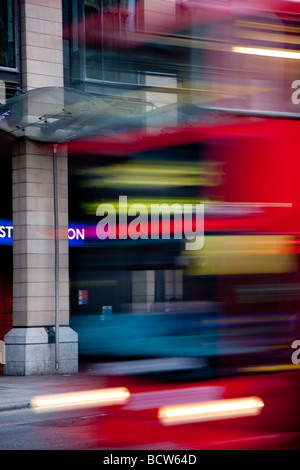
x: 7, y: 34
x: 107, y: 22
x: 75, y: 41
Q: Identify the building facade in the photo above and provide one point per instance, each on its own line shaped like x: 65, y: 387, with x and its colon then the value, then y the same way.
x: 125, y: 53
x: 49, y: 46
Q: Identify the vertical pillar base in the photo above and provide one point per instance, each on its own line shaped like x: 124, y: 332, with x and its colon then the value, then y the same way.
x: 31, y: 351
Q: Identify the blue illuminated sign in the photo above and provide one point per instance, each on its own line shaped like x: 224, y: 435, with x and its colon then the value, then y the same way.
x: 77, y: 233
x: 6, y: 232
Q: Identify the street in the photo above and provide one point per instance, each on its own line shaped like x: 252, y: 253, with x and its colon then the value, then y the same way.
x: 74, y: 430
x: 27, y: 430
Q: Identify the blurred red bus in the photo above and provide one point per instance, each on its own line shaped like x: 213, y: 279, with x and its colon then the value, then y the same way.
x: 237, y: 307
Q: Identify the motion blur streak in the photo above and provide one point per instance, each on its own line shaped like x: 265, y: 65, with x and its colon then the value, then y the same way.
x: 109, y: 396
x: 281, y: 54
x: 273, y: 368
x: 209, y: 411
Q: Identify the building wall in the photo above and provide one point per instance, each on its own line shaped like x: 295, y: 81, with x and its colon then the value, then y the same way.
x: 41, y: 43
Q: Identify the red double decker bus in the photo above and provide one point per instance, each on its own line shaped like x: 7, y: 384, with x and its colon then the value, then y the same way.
x: 225, y: 315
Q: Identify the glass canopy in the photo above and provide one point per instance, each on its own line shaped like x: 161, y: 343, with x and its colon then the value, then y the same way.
x: 56, y: 115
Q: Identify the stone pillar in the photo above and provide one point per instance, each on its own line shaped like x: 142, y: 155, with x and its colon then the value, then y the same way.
x: 31, y: 345
x: 41, y: 43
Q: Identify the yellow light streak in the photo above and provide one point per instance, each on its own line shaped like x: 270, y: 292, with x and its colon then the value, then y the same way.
x: 270, y: 37
x: 154, y: 174
x: 273, y: 368
x: 268, y: 26
x: 210, y: 410
x: 109, y: 396
x: 242, y: 254
x: 276, y: 53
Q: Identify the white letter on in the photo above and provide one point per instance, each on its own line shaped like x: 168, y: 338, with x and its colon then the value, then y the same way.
x: 80, y: 234
x: 9, y: 229
x: 71, y: 233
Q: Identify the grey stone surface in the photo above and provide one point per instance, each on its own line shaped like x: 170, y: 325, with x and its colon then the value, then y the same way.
x: 29, y: 352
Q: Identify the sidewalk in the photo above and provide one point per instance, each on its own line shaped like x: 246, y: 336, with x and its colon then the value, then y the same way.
x: 16, y: 392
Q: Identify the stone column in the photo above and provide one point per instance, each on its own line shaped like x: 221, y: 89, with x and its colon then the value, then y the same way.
x: 31, y: 345
x: 41, y: 43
